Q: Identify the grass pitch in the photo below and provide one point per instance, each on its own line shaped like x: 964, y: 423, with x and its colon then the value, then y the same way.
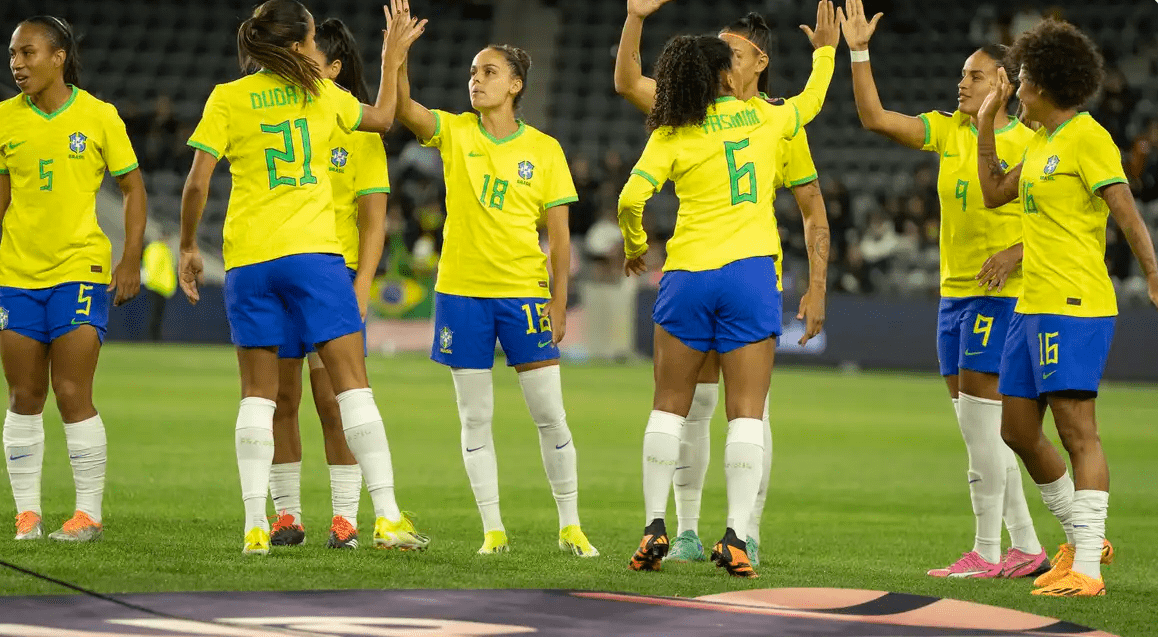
x: 868, y: 491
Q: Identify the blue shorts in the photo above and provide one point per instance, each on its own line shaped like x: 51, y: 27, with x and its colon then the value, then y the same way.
x: 1048, y: 352
x: 721, y: 309
x: 465, y: 329
x: 295, y: 347
x: 303, y: 296
x: 971, y: 332
x: 49, y: 313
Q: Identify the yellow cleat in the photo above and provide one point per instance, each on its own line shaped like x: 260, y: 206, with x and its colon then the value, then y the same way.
x: 256, y: 542
x: 1074, y: 584
x: 399, y: 535
x: 571, y: 538
x: 494, y: 542
x: 1063, y: 563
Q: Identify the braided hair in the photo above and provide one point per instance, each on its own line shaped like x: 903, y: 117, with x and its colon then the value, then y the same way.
x: 688, y: 80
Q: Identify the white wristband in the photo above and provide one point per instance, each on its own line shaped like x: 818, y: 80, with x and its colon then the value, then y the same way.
x: 859, y: 56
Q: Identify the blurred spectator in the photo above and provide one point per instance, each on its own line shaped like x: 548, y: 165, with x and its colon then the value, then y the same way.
x: 584, y: 212
x: 159, y: 278
x: 1023, y: 20
x: 879, y: 245
x: 1116, y: 105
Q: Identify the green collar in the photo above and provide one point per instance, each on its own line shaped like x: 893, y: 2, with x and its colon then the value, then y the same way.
x: 63, y: 107
x: 726, y: 98
x: 495, y: 140
x: 1012, y: 122
x: 1063, y: 124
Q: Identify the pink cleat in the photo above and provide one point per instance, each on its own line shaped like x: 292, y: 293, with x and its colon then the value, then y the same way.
x: 1018, y: 563
x: 971, y: 564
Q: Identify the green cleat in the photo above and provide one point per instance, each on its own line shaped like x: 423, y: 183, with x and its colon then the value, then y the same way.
x: 687, y: 547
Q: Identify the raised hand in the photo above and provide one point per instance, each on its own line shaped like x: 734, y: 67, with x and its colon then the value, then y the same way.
x: 401, y: 32
x: 827, y: 31
x: 998, y: 97
x: 643, y: 8
x: 856, y: 28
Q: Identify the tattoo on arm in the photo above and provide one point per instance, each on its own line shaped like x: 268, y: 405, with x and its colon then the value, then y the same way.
x: 995, y: 168
x: 820, y: 244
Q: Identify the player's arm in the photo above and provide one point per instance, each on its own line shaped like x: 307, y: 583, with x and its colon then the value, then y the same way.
x: 559, y: 245
x: 630, y: 81
x: 824, y: 40
x: 126, y: 280
x: 816, y: 241
x: 998, y: 187
x: 638, y: 189
x: 401, y: 31
x: 1121, y: 202
x: 193, y: 197
x: 414, y: 116
x: 900, y: 128
x: 371, y: 243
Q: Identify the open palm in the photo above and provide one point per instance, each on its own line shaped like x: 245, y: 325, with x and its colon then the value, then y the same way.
x: 857, y: 29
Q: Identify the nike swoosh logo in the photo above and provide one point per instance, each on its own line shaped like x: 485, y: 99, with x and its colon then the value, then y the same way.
x: 966, y: 574
x: 474, y: 154
x: 977, y: 480
x: 14, y: 145
x: 544, y: 344
x: 76, y: 322
x: 19, y: 457
x: 968, y: 353
x: 951, y: 154
x: 684, y: 467
x: 563, y: 445
x: 469, y: 450
x: 1045, y: 376
x: 83, y: 455
x: 682, y: 485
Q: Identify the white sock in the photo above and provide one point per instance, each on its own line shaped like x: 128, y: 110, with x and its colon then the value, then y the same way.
x: 743, y: 466
x: 24, y: 453
x: 88, y: 454
x: 1089, y: 521
x: 957, y: 407
x: 474, y: 392
x: 980, y: 422
x: 1059, y: 498
x: 1018, y: 521
x: 253, y: 439
x: 345, y: 491
x: 762, y: 494
x: 661, y: 451
x: 695, y: 449
x: 543, y: 393
x: 366, y: 437
x: 285, y: 486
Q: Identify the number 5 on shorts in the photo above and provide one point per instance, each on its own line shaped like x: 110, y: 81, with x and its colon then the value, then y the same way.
x: 84, y: 299
x: 544, y: 319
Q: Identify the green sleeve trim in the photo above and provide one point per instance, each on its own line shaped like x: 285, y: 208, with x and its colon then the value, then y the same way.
x: 118, y: 173
x: 3, y: 171
x: 361, y: 114
x: 437, y: 124
x: 1102, y: 184
x: 203, y: 147
x: 371, y: 191
x: 800, y: 182
x: 560, y: 202
x: 924, y: 117
x: 794, y: 108
x: 653, y: 180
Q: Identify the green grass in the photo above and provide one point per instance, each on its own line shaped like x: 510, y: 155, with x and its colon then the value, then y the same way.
x: 868, y: 490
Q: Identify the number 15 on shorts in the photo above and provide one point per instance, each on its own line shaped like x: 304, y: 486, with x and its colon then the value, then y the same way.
x: 533, y: 310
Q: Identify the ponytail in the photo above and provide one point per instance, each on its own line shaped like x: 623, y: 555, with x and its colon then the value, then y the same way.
x: 60, y: 34
x: 336, y: 42
x: 264, y: 41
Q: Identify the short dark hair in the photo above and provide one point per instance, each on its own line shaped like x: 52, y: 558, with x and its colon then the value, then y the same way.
x: 61, y: 37
x: 1061, y: 60
x: 755, y: 29
x: 520, y: 63
x: 264, y: 39
x: 687, y: 79
x: 336, y: 42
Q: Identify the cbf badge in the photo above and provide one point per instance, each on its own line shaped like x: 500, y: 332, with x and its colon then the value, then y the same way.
x: 77, y: 142
x: 526, y: 170
x: 3, y: 319
x: 445, y: 338
x: 1051, y: 164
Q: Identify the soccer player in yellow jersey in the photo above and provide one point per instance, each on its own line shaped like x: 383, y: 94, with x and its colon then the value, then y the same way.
x: 750, y: 39
x: 972, y: 319
x: 282, y: 253
x: 56, y: 142
x: 502, y: 178
x: 356, y: 163
x: 723, y: 155
x: 1070, y: 179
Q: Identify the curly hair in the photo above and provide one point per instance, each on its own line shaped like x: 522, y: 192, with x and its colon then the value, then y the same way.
x: 1061, y: 60
x: 687, y: 78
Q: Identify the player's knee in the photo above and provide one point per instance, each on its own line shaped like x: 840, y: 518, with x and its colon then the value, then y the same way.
x: 329, y: 413
x: 475, y: 414
x: 1078, y: 438
x: 73, y: 399
x: 285, y: 413
x: 27, y: 399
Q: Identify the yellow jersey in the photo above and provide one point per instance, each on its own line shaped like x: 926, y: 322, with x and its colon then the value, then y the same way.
x: 274, y: 135
x: 357, y: 168
x: 1065, y: 219
x: 496, y: 192
x: 55, y: 163
x: 970, y: 232
x: 796, y: 166
x: 725, y: 173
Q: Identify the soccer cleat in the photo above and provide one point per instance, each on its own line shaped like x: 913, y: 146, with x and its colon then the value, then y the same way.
x: 1074, y: 584
x: 686, y: 548
x: 731, y: 554
x: 494, y: 542
x: 287, y: 531
x: 652, y: 548
x: 1017, y: 563
x: 572, y: 538
x: 399, y: 535
x: 343, y: 535
x: 79, y: 528
x: 971, y: 564
x: 1063, y: 562
x: 29, y: 526
x: 256, y: 542
x: 753, y: 551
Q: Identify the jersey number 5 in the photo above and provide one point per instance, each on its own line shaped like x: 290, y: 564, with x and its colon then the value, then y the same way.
x: 737, y: 173
x: 46, y: 175
x: 288, y: 153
